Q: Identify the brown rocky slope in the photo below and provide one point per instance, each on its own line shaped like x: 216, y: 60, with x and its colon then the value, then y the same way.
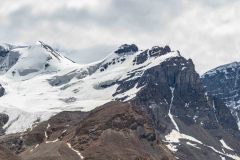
x: 114, y: 131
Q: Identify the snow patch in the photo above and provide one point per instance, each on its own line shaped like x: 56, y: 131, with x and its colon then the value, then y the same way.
x: 225, y: 145
x: 193, y: 145
x: 174, y: 137
x: 20, y: 120
x: 64, y: 131
x: 130, y: 94
x: 56, y: 140
x: 46, y: 136
x: 214, y: 109
x: 172, y: 147
x: 169, y: 112
x: 222, y: 158
x: 48, y: 126
x: 79, y: 154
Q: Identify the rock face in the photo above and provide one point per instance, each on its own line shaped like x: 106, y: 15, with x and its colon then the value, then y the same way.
x: 175, y: 99
x: 126, y: 48
x: 3, y: 120
x: 8, y: 58
x: 176, y: 79
x: 2, y: 90
x: 112, y: 131
x: 224, y: 83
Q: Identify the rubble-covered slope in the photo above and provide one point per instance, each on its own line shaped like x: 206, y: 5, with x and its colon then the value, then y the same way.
x: 6, y: 154
x: 112, y: 131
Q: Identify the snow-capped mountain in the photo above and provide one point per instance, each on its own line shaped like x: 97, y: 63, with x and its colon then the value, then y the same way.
x: 21, y: 70
x: 160, y: 105
x: 25, y: 62
x: 224, y: 83
x: 43, y: 80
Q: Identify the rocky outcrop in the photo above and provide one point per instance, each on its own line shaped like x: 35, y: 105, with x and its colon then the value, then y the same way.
x: 8, y: 58
x: 3, y: 120
x: 158, y: 51
x: 126, y: 48
x: 3, y: 51
x: 2, y: 90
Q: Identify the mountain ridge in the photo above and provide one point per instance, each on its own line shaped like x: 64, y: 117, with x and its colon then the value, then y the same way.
x: 56, y: 89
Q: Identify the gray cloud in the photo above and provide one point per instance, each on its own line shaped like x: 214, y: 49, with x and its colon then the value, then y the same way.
x: 87, y: 55
x: 203, y: 30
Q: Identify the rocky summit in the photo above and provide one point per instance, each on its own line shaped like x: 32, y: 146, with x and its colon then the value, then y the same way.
x: 134, y: 104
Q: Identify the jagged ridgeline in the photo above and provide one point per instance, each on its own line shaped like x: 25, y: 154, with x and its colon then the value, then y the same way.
x: 134, y: 104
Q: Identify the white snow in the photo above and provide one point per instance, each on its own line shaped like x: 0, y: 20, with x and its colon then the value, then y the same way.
x: 238, y: 121
x: 172, y: 147
x: 56, y: 140
x: 46, y: 136
x: 169, y: 112
x: 195, y: 118
x: 235, y: 157
x: 214, y: 108
x: 130, y: 93
x: 20, y: 120
x: 33, y: 59
x: 32, y: 94
x: 222, y: 158
x: 174, y: 137
x: 34, y: 147
x: 225, y: 145
x: 48, y: 126
x: 193, y: 145
x: 79, y: 154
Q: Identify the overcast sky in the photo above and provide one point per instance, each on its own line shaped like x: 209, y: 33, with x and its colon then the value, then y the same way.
x: 208, y: 31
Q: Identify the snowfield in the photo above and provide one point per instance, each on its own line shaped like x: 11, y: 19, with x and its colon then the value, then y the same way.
x: 43, y: 81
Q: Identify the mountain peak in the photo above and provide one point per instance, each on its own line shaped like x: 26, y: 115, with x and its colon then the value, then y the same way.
x: 51, y: 50
x: 127, y: 49
x: 156, y: 50
x: 24, y: 62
